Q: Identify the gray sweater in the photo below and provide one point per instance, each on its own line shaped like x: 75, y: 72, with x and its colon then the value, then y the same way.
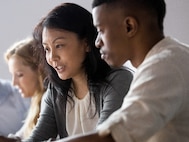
x: 52, y: 120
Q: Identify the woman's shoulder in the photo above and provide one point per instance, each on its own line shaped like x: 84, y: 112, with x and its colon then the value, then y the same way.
x: 123, y: 73
x: 53, y: 92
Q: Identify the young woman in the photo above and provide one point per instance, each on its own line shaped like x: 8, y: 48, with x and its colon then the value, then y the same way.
x: 28, y: 76
x: 83, y: 90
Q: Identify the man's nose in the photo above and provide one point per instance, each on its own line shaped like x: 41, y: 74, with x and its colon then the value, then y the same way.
x: 98, y: 41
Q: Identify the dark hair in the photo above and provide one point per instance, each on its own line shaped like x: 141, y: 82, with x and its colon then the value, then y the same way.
x: 72, y: 17
x: 152, y: 6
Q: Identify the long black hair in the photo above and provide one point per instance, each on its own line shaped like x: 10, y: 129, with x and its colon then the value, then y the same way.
x: 74, y: 18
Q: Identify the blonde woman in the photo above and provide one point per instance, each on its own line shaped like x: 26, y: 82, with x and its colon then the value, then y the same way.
x: 27, y: 75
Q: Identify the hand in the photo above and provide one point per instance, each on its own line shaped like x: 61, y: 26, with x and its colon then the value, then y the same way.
x: 5, y: 139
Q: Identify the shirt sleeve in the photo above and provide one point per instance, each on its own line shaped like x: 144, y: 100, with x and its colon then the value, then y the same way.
x: 114, y: 93
x: 155, y: 97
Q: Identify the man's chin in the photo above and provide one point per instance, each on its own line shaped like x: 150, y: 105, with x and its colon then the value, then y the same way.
x: 110, y: 63
x: 113, y: 64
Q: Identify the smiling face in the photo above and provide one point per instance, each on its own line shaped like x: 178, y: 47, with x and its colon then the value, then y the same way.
x: 65, y: 52
x: 23, y: 76
x: 111, y: 35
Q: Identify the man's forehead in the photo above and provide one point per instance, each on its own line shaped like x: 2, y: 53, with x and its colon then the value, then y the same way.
x: 102, y: 14
x: 98, y: 14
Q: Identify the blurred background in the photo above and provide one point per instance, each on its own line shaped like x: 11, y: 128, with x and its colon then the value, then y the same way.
x: 18, y: 18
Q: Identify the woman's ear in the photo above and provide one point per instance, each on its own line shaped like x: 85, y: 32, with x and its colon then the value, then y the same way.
x: 131, y: 26
x: 87, y: 49
x: 86, y: 46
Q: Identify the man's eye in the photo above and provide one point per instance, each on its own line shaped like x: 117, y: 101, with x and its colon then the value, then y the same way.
x: 99, y: 30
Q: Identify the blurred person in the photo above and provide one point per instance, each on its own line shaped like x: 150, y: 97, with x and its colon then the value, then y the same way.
x: 13, y: 108
x: 28, y: 76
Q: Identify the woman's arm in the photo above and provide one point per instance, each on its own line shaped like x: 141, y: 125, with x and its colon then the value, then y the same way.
x: 113, y: 94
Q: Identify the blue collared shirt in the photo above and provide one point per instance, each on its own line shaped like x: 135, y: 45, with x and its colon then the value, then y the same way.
x: 13, y: 108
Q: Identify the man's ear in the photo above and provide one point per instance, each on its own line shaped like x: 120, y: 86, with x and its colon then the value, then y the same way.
x: 131, y: 26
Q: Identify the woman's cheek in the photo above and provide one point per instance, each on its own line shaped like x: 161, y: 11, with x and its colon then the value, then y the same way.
x: 48, y: 59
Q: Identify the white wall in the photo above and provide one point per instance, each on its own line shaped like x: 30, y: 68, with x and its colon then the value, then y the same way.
x: 177, y: 19
x: 18, y: 19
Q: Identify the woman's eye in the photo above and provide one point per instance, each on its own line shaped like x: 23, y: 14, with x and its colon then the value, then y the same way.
x: 19, y: 75
x: 46, y: 49
x: 59, y: 45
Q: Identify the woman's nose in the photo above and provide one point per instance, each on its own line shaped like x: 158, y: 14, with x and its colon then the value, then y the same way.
x: 14, y: 81
x: 53, y: 56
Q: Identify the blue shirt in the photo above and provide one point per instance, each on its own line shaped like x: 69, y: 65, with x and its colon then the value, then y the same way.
x: 13, y: 108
